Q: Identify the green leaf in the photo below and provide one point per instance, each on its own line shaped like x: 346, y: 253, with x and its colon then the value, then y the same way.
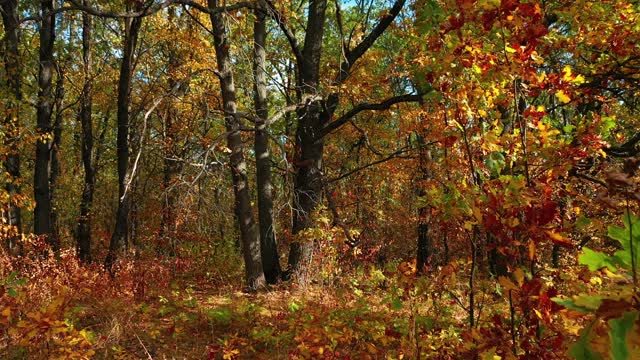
x: 588, y: 301
x: 596, y: 260
x: 495, y: 162
x: 396, y: 303
x: 220, y: 315
x: 627, y: 236
x: 619, y: 234
x: 569, y: 304
x: 294, y: 306
x: 581, y: 349
x: 618, y: 335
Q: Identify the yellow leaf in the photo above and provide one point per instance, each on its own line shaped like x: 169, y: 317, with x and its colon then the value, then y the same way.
x: 490, y: 355
x: 563, y: 97
x: 513, y: 222
x: 477, y: 213
x: 506, y: 283
x: 518, y: 275
x: 558, y: 238
x: 538, y: 314
x: 531, y: 251
x: 567, y: 73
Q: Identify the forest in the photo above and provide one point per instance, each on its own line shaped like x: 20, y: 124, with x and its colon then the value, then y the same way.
x: 320, y: 179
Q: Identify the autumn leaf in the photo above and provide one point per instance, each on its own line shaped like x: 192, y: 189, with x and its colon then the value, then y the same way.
x: 563, y: 97
x: 558, y: 238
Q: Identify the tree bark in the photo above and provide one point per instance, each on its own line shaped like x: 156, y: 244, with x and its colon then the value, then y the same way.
x: 307, y: 193
x: 119, y: 238
x: 249, y: 235
x: 268, y: 245
x: 315, y: 117
x: 171, y: 168
x: 11, y: 214
x: 55, y: 161
x: 83, y: 229
x: 44, y: 105
x: 425, y: 248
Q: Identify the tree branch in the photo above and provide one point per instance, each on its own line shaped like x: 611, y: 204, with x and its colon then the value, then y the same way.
x: 353, y: 55
x: 628, y: 149
x: 384, y: 105
x: 391, y: 156
x: 148, y: 10
x: 274, y: 14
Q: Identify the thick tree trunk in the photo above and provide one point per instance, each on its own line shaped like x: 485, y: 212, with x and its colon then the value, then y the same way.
x: 83, y: 229
x: 44, y: 105
x: 119, y: 238
x: 307, y: 192
x: 11, y: 214
x: 313, y: 118
x: 249, y: 235
x: 268, y: 245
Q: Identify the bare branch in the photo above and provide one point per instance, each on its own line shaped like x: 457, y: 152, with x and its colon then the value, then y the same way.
x: 384, y: 105
x: 151, y: 9
x: 391, y: 156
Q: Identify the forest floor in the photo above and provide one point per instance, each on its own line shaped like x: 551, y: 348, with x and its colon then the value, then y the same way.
x: 150, y: 311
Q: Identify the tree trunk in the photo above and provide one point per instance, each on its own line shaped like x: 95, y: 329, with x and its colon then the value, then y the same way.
x: 171, y: 167
x: 11, y: 215
x: 55, y: 161
x: 425, y: 248
x: 119, y: 238
x: 167, y: 245
x: 83, y: 230
x: 307, y: 192
x: 497, y: 261
x: 315, y: 115
x: 268, y: 245
x: 248, y: 233
x: 44, y: 105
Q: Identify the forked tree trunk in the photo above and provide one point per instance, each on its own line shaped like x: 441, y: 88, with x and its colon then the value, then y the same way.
x: 268, y: 245
x: 307, y: 193
x: 11, y: 214
x: 314, y: 117
x: 249, y: 236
